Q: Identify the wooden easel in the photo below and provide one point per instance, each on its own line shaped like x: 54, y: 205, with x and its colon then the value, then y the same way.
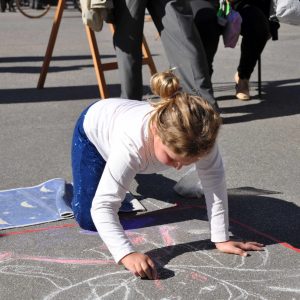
x: 98, y: 65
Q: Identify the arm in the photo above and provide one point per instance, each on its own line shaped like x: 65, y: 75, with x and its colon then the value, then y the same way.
x: 212, y: 175
x: 116, y: 178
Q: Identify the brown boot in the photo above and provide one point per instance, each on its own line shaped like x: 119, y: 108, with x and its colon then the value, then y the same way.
x: 242, y: 88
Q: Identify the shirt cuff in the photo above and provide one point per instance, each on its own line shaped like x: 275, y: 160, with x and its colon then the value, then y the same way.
x: 219, y: 237
x: 121, y: 254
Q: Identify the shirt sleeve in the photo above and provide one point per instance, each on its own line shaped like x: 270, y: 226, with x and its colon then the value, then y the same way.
x: 212, y: 175
x: 119, y: 172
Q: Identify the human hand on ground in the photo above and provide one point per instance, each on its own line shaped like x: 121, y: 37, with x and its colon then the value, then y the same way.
x: 140, y: 265
x: 239, y: 248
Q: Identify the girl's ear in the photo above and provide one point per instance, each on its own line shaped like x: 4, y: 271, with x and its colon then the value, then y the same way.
x: 153, y: 128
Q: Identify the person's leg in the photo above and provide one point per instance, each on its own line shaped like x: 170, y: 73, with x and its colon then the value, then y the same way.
x: 255, y: 32
x: 3, y: 5
x: 205, y: 18
x: 129, y: 24
x: 183, y: 46
x: 87, y: 169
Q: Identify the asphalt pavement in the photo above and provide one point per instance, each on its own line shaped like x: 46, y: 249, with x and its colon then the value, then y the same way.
x: 259, y: 141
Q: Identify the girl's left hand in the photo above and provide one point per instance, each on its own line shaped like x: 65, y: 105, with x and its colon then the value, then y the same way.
x: 239, y: 248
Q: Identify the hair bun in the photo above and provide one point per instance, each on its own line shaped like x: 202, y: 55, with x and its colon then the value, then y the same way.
x: 164, y: 84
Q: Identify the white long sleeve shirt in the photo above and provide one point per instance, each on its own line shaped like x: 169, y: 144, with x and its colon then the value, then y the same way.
x: 118, y: 128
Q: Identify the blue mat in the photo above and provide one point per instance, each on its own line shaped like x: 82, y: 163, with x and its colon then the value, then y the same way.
x: 47, y: 202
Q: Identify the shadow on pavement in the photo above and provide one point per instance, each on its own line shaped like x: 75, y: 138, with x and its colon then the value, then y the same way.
x: 63, y: 93
x: 254, y: 214
x: 281, y: 98
x: 47, y: 94
x: 18, y: 59
x: 164, y: 255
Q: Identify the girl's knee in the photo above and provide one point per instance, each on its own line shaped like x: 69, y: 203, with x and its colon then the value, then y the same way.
x: 83, y: 216
x: 85, y: 222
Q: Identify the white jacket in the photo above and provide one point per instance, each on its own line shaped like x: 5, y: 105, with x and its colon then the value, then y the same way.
x: 94, y: 12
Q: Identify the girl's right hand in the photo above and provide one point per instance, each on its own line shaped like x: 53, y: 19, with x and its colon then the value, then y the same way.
x: 140, y: 265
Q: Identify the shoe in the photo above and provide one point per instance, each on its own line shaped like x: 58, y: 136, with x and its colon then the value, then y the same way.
x: 242, y: 88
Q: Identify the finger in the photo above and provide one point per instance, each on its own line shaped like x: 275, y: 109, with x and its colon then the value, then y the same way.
x: 256, y: 244
x: 238, y: 251
x: 147, y: 269
x: 142, y: 269
x: 153, y: 269
x: 141, y: 273
x: 132, y: 270
x: 254, y: 247
x: 251, y: 246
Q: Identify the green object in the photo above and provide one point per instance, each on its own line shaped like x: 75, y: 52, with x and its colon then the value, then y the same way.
x: 224, y: 9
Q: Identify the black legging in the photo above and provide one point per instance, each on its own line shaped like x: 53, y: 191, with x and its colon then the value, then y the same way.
x: 256, y: 32
x: 205, y: 18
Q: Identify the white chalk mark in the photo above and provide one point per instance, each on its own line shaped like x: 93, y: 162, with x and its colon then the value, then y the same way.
x: 45, y: 190
x: 2, y: 222
x: 103, y: 255
x: 27, y: 205
x: 206, y: 289
x: 99, y: 278
x: 36, y: 272
x: 199, y: 231
x: 198, y: 254
x: 283, y: 289
x: 208, y: 272
x: 265, y: 257
x: 241, y: 259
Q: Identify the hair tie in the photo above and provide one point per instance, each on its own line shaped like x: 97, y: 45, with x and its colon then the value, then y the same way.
x: 175, y: 94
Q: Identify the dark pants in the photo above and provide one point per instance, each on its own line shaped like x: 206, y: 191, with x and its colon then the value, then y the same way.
x: 183, y: 45
x: 206, y: 21
x: 255, y: 32
x: 10, y: 4
x: 87, y: 169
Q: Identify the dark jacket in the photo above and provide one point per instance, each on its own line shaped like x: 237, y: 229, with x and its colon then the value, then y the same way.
x: 264, y: 5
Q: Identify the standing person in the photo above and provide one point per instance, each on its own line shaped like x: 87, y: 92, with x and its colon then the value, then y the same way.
x: 206, y: 21
x: 115, y: 139
x: 174, y: 20
x: 10, y: 4
x: 255, y: 31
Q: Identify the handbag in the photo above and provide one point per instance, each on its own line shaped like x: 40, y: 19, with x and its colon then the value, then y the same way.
x: 231, y: 21
x: 287, y: 11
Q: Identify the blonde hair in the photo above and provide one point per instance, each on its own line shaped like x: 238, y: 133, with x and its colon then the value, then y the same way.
x: 187, y: 124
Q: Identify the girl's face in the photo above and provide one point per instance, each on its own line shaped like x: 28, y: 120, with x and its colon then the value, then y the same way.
x: 169, y: 158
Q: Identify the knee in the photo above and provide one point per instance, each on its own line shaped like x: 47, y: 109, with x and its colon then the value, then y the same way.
x: 85, y: 222
x: 82, y: 215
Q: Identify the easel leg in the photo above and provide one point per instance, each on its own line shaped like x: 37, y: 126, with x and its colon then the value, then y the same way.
x: 97, y: 64
x: 51, y: 43
x: 259, y: 76
x: 148, y: 57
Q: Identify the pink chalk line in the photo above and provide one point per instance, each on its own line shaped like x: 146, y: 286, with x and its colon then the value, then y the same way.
x: 37, y: 229
x: 178, y: 206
